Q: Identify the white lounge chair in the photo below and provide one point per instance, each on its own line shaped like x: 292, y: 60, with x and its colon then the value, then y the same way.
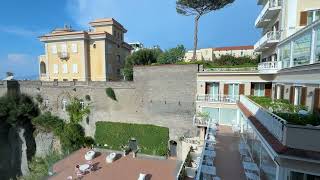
x: 89, y: 155
x: 142, y: 176
x: 110, y: 158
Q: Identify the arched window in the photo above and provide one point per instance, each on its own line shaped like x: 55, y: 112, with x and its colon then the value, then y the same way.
x: 43, y: 68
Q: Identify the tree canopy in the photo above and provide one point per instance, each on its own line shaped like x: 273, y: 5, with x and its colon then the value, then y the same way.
x: 200, y: 7
x: 172, y: 55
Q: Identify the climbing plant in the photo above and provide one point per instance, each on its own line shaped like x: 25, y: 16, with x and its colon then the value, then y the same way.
x: 76, y: 110
x: 110, y: 93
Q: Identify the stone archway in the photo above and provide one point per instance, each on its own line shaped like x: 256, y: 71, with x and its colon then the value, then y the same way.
x: 173, y: 148
x: 43, y: 69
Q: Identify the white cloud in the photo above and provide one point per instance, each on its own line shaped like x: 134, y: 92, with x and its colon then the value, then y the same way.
x: 21, y: 31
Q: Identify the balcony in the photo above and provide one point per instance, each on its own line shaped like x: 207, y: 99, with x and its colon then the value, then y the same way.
x: 269, y: 11
x: 63, y: 55
x: 200, y: 121
x: 269, y: 39
x: 218, y: 98
x: 289, y: 135
x: 270, y: 67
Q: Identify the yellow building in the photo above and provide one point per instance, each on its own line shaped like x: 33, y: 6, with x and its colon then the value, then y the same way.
x: 93, y: 55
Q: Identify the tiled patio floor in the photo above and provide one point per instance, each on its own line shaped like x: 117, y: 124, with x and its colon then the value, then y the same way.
x: 227, y: 161
x: 125, y: 168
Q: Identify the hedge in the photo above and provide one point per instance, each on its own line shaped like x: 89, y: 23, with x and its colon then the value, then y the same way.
x: 152, y: 140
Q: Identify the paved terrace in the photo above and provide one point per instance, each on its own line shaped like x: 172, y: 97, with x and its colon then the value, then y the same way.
x: 121, y: 169
x: 227, y: 160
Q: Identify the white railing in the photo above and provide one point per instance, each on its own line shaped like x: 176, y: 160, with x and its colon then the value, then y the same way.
x: 270, y: 121
x: 218, y: 98
x: 230, y: 69
x: 269, y: 36
x: 266, y: 8
x: 211, y: 128
x: 270, y: 67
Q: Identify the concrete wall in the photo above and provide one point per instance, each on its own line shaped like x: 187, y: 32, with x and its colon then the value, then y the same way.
x: 159, y: 95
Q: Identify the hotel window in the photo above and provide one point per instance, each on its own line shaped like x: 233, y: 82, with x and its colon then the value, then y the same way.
x: 64, y: 48
x: 308, y: 17
x: 212, y: 89
x: 65, y: 68
x: 285, y: 51
x: 74, y: 68
x: 233, y: 90
x: 55, y: 69
x: 259, y: 89
x: 74, y: 47
x: 302, y: 50
x: 54, y: 49
x: 298, y: 95
x: 317, y: 54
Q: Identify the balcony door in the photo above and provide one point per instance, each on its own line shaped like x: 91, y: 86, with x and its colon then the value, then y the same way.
x: 212, y: 90
x: 259, y: 89
x: 233, y: 91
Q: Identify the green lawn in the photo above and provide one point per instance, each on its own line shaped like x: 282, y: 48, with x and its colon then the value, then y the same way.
x: 152, y: 140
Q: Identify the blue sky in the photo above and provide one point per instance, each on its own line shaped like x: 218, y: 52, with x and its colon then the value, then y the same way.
x: 152, y: 22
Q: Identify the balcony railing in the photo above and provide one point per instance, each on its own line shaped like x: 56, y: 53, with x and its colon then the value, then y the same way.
x: 63, y: 55
x: 200, y: 121
x: 269, y: 38
x: 268, y: 11
x: 293, y: 136
x: 270, y: 121
x: 230, y: 69
x: 218, y: 98
x: 269, y: 67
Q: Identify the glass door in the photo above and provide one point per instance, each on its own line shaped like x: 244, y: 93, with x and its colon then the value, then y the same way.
x: 233, y: 91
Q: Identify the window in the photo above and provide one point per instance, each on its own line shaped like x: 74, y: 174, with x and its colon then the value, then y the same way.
x: 317, y: 53
x: 302, y: 50
x: 55, y: 69
x: 308, y: 17
x: 65, y: 68
x: 64, y: 48
x: 74, y: 68
x: 233, y: 90
x: 64, y: 105
x: 297, y: 96
x: 285, y: 52
x: 54, y: 49
x: 259, y: 89
x: 65, y: 80
x: 118, y: 59
x: 74, y: 48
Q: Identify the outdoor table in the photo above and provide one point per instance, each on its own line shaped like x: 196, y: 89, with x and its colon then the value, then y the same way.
x: 208, y: 170
x: 250, y: 166
x: 84, y: 167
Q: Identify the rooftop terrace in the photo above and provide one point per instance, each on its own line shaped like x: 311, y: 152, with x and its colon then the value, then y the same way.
x: 122, y: 168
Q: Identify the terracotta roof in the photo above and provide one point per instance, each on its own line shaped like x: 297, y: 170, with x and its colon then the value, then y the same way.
x: 229, y: 48
x: 274, y: 143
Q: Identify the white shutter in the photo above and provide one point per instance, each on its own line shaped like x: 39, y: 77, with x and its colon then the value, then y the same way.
x: 65, y: 68
x: 55, y: 69
x: 64, y: 48
x: 75, y: 68
x: 54, y: 49
x: 74, y: 48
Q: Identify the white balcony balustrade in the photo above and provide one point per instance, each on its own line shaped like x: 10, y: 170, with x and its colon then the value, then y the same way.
x: 269, y: 11
x: 269, y: 39
x: 270, y: 67
x: 290, y: 135
x: 63, y: 55
x: 221, y: 98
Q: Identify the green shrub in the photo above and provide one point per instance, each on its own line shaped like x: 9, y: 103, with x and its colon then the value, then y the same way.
x: 39, y: 98
x: 49, y: 123
x: 88, y: 142
x: 73, y: 137
x: 87, y: 97
x: 111, y: 94
x: 76, y: 111
x: 284, y: 109
x: 172, y: 55
x: 151, y: 139
x: 39, y: 167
